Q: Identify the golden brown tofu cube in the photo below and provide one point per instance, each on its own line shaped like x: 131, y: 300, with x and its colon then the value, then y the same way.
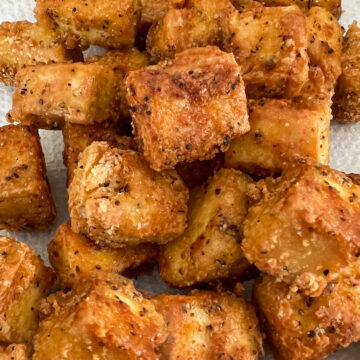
x: 117, y: 200
x: 347, y: 94
x: 73, y: 256
x: 188, y: 109
x: 23, y: 44
x: 104, y: 319
x: 24, y: 281
x: 50, y: 95
x: 270, y: 45
x: 154, y: 10
x: 122, y: 62
x: 14, y: 352
x: 305, y: 228
x: 306, y: 328
x: 210, y: 248
x: 209, y: 325
x: 324, y: 49
x: 281, y: 131
x: 196, y: 25
x: 78, y: 137
x: 25, y: 198
x: 107, y: 23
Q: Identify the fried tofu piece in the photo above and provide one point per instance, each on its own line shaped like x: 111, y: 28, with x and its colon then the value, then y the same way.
x: 196, y: 25
x: 188, y: 109
x: 14, y: 352
x: 306, y: 328
x: 281, y: 131
x: 78, y: 137
x: 23, y: 43
x: 154, y: 10
x: 122, y: 62
x: 50, y: 95
x: 210, y: 248
x: 74, y: 256
x: 209, y: 325
x: 107, y: 23
x: 117, y: 200
x: 25, y: 198
x: 346, y: 107
x: 24, y: 281
x: 324, y: 50
x: 305, y: 227
x: 106, y: 319
x: 270, y: 45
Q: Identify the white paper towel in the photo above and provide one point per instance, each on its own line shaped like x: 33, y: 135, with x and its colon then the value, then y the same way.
x: 345, y: 156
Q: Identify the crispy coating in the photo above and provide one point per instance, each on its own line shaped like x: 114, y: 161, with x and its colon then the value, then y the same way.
x: 346, y: 107
x: 324, y: 49
x: 24, y: 280
x: 50, y: 95
x: 187, y: 109
x: 14, y: 352
x: 73, y: 256
x: 209, y: 325
x: 154, y: 10
x: 281, y: 131
x: 23, y: 43
x: 269, y: 43
x: 122, y: 62
x: 210, y: 248
x: 117, y: 200
x: 305, y: 228
x: 78, y: 137
x: 196, y: 25
x: 104, y: 319
x: 107, y: 23
x: 305, y: 328
x: 25, y: 198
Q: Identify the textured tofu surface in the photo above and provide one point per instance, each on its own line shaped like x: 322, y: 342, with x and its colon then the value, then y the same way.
x: 347, y: 95
x: 200, y: 325
x: 306, y: 328
x: 107, y: 23
x: 210, y: 248
x: 25, y: 199
x: 24, y: 281
x: 281, y: 131
x: 50, y: 95
x: 106, y: 319
x: 74, y: 256
x: 117, y: 200
x: 187, y: 109
x: 14, y: 352
x: 304, y: 230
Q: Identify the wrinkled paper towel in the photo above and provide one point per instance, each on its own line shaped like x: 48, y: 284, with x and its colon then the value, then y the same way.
x: 345, y: 156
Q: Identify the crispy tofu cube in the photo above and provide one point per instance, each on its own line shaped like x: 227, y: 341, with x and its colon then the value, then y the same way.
x: 210, y: 248
x: 23, y: 43
x: 25, y: 198
x: 333, y: 6
x: 209, y: 325
x: 24, y: 281
x: 107, y: 23
x: 14, y: 352
x: 154, y: 10
x: 50, y: 95
x: 324, y: 50
x: 305, y: 227
x: 306, y: 328
x: 270, y: 45
x: 196, y: 25
x: 281, y: 131
x: 78, y: 137
x: 117, y: 200
x: 347, y: 95
x: 187, y: 109
x: 74, y: 256
x: 100, y: 318
x: 122, y: 62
